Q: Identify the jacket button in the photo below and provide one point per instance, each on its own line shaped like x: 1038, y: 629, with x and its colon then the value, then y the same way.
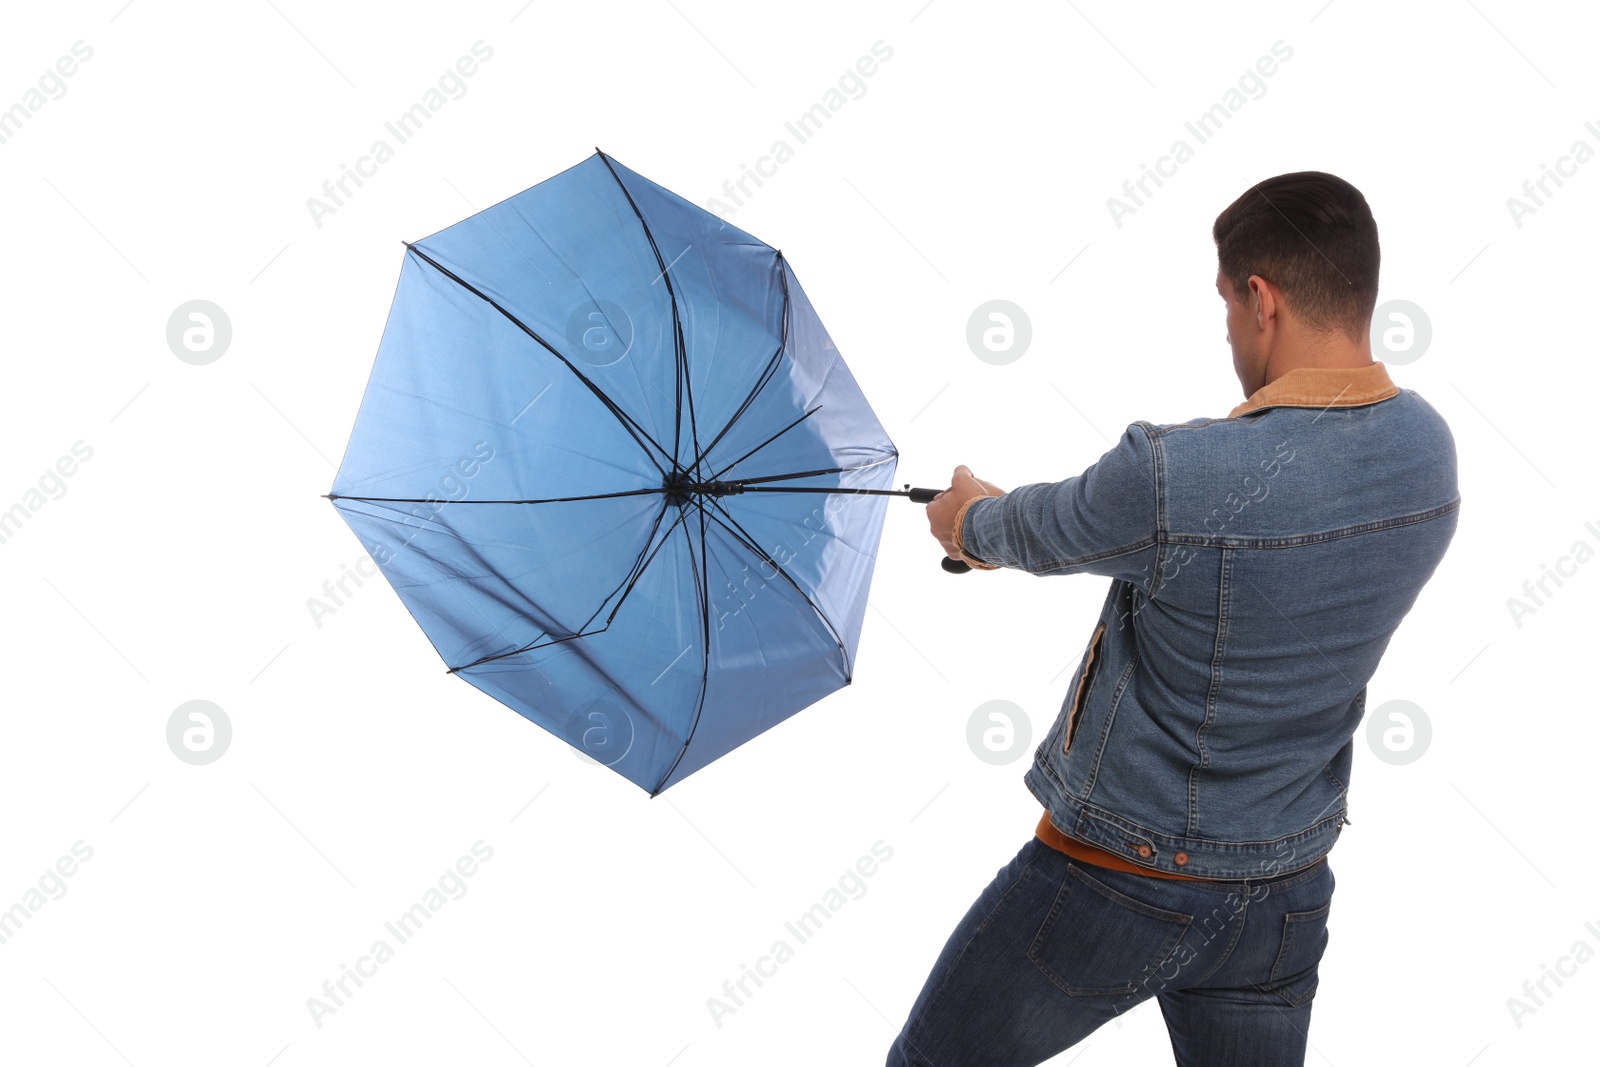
x: 1180, y: 858
x: 1144, y: 851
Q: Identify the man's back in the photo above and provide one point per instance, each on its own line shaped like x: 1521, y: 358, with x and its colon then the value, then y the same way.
x: 1262, y: 562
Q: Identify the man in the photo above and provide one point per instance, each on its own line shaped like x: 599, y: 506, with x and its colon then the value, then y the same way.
x: 1195, y: 778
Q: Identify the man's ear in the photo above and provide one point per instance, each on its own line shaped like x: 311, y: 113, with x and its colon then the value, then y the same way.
x: 1265, y: 307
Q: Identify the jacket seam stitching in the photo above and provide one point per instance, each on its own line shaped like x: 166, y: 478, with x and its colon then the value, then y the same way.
x: 1111, y: 718
x: 1219, y: 644
x: 1078, y: 561
x: 1083, y: 809
x: 1316, y: 829
x: 1212, y: 541
x: 1356, y: 403
x: 1162, y: 431
x: 1157, y: 469
x: 1243, y: 416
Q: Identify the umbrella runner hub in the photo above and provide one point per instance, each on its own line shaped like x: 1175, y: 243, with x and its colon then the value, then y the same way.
x: 679, y: 488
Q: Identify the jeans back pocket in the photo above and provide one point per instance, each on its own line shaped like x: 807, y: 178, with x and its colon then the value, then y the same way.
x: 1099, y: 942
x: 1294, y: 972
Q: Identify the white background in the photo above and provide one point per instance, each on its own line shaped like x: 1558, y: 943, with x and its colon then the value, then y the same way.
x: 179, y: 560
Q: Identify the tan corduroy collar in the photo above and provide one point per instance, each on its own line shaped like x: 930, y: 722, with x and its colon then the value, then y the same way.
x: 1317, y: 387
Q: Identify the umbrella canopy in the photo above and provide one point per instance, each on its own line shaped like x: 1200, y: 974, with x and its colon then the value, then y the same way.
x: 613, y: 465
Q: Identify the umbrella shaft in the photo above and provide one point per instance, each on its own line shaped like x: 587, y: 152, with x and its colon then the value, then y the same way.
x: 918, y: 496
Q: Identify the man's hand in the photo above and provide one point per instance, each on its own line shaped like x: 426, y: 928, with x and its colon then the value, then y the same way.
x: 964, y: 486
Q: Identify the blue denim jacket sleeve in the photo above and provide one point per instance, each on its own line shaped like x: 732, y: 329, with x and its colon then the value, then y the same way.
x: 1102, y: 521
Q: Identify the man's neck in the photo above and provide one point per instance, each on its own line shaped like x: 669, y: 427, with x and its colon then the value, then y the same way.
x: 1317, y: 350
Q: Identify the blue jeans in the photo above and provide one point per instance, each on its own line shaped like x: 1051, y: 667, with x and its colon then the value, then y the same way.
x: 1054, y: 948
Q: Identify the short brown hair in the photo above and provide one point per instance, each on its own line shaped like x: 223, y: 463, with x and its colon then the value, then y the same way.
x: 1312, y: 235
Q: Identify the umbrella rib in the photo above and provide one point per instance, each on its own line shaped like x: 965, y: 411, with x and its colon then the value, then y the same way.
x: 623, y: 417
x: 640, y: 562
x: 546, y: 500
x: 741, y: 534
x: 639, y: 573
x: 636, y: 573
x: 751, y: 482
x: 703, y: 596
x: 766, y: 375
x: 680, y: 356
x: 765, y: 443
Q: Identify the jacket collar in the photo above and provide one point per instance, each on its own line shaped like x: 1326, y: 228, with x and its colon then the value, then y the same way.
x: 1321, y: 387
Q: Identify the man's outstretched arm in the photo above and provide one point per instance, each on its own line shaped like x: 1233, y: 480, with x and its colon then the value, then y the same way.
x: 1102, y: 521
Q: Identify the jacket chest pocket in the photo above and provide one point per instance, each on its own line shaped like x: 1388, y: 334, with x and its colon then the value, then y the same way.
x: 1091, y: 667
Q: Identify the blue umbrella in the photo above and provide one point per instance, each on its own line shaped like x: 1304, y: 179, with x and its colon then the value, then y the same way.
x: 614, y: 467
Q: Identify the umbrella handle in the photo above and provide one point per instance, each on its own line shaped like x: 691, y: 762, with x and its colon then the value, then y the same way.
x: 924, y: 496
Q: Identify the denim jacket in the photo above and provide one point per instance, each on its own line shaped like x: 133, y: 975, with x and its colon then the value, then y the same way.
x: 1260, y: 563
